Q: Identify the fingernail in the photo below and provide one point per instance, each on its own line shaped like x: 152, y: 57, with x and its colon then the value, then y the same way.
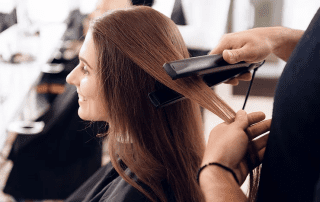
x: 231, y: 56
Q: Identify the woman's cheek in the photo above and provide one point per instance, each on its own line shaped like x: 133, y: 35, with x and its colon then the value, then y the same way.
x: 86, y: 88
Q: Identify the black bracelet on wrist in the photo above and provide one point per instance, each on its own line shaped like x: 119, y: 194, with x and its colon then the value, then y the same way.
x: 221, y: 166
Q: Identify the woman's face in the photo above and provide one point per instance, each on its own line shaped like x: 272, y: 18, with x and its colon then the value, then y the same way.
x: 85, y: 77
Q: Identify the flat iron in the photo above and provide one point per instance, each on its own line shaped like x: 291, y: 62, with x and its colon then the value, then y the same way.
x: 212, y: 68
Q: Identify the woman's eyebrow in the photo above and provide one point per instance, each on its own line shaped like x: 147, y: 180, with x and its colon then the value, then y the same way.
x: 83, y: 60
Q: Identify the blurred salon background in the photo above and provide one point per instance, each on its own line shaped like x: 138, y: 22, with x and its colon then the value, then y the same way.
x: 46, y: 150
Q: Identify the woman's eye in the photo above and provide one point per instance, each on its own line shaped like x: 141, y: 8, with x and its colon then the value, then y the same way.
x: 85, y: 69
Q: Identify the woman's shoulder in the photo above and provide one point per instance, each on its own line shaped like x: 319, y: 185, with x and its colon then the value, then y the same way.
x: 91, y: 185
x: 106, y: 185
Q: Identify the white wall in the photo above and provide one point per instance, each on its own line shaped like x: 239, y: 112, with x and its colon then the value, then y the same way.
x: 298, y: 13
x: 6, y: 6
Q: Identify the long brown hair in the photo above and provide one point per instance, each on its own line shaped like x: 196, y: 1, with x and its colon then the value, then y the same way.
x: 156, y: 144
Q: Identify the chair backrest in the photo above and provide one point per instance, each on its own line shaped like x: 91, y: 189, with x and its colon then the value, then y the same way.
x: 66, y: 149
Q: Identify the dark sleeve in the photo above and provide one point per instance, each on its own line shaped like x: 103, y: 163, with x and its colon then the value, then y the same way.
x: 291, y: 163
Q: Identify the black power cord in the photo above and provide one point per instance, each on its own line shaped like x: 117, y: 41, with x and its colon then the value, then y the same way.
x: 250, y: 85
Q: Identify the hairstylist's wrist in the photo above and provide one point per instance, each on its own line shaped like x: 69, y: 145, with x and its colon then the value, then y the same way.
x: 283, y: 41
x: 219, y: 185
x: 215, y: 175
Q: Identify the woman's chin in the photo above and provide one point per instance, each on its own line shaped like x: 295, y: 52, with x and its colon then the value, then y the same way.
x: 83, y: 115
x: 89, y: 117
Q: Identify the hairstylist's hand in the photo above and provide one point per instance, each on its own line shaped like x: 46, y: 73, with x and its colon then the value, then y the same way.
x: 250, y: 46
x: 228, y: 143
x: 254, y: 45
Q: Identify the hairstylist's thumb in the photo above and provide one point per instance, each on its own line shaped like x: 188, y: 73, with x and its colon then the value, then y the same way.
x: 241, y: 119
x: 233, y: 56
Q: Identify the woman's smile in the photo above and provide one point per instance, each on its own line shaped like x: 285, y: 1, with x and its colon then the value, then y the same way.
x: 81, y: 98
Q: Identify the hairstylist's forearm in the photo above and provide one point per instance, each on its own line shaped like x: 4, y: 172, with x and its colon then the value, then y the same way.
x: 219, y: 185
x: 283, y: 40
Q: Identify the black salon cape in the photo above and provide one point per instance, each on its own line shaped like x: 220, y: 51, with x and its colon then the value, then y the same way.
x: 107, y: 186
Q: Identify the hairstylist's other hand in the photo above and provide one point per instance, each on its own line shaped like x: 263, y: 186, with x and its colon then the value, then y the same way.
x: 228, y: 143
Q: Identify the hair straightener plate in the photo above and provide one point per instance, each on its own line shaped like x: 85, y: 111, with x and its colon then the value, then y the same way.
x: 212, y: 68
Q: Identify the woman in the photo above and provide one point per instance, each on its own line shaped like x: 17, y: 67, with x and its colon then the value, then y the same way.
x: 155, y: 153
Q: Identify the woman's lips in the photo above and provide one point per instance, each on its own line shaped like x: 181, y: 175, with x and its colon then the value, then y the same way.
x: 81, y: 98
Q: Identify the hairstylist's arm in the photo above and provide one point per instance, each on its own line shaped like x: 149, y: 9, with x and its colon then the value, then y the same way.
x: 228, y: 145
x: 256, y: 44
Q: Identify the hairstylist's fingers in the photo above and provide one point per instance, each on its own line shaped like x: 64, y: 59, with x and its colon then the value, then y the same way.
x: 256, y: 117
x: 256, y: 151
x: 261, y: 155
x: 241, y: 119
x: 223, y: 45
x: 257, y: 159
x: 248, y: 53
x: 233, y: 81
x: 254, y: 161
x: 233, y: 56
x: 258, y: 129
x: 230, y: 56
x: 245, y: 76
x: 260, y: 142
x: 228, y: 42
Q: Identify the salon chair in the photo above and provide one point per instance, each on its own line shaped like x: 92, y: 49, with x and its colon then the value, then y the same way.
x: 54, y: 162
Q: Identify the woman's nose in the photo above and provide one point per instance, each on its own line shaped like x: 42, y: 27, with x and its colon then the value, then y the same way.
x: 72, y: 77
